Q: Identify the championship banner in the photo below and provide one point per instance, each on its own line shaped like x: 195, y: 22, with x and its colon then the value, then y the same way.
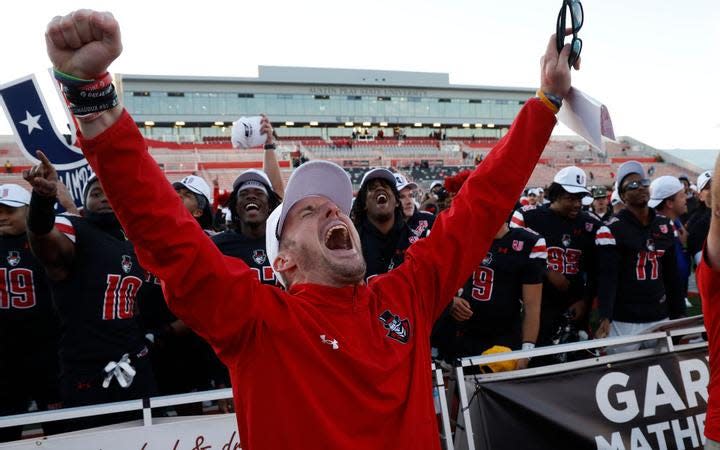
x: 188, y: 433
x: 655, y: 402
x: 34, y: 130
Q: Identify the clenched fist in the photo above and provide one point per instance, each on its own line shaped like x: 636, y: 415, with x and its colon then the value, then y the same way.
x: 83, y: 43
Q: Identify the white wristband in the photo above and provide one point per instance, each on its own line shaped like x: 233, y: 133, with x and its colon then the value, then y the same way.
x: 528, y: 346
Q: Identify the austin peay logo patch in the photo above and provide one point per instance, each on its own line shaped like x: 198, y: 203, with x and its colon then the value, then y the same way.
x: 126, y: 263
x: 13, y: 258
x: 398, y: 329
x: 518, y: 245
x: 566, y: 240
x: 488, y: 259
x: 259, y: 256
x: 650, y: 245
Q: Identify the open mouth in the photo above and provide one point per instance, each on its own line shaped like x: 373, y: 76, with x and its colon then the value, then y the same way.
x: 381, y: 199
x: 338, y: 238
x: 251, y: 207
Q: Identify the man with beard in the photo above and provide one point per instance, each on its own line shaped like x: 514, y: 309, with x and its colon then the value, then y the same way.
x: 378, y: 217
x: 332, y: 362
x: 420, y: 222
x: 29, y: 325
x: 637, y: 267
x: 94, y: 277
x: 569, y: 235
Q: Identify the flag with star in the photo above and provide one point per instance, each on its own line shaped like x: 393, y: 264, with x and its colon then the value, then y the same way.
x: 34, y: 130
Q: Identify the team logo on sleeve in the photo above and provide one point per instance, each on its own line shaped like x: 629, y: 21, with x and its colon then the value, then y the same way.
x: 398, y: 329
x: 259, y: 256
x: 663, y: 229
x: 13, y: 258
x: 650, y: 244
x: 518, y: 245
x: 566, y: 240
x: 126, y: 263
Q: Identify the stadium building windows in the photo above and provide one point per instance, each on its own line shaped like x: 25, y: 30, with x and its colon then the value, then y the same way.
x: 319, y: 102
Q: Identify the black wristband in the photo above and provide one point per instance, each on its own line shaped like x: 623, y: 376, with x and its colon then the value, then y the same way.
x: 270, y: 147
x: 41, y: 217
x: 87, y: 99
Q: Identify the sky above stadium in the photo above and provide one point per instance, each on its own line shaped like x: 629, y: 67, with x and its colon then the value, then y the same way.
x: 654, y: 63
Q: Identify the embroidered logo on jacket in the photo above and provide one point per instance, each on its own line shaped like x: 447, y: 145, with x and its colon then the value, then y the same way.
x: 331, y: 342
x: 398, y: 329
x: 126, y: 263
x: 13, y: 258
x: 663, y: 229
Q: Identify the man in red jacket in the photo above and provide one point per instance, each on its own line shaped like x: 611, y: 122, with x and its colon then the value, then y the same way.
x: 332, y: 362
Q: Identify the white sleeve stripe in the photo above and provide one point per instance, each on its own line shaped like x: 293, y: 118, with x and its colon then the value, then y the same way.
x: 65, y: 227
x: 538, y: 255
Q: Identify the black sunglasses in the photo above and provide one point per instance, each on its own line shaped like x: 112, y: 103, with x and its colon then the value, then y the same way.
x: 631, y: 186
x: 576, y: 17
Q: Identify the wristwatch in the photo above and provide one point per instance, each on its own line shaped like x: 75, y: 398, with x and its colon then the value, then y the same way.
x: 270, y: 147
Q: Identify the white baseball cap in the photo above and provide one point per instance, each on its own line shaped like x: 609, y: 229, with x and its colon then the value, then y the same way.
x: 14, y: 195
x: 314, y: 178
x: 572, y: 179
x: 403, y: 182
x: 663, y: 187
x: 626, y: 169
x: 435, y: 183
x: 587, y: 200
x: 195, y: 184
x: 381, y: 173
x: 615, y: 198
x: 532, y: 191
x: 703, y: 179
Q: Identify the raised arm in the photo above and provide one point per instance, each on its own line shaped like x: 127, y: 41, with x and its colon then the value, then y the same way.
x: 200, y: 285
x: 461, y: 236
x: 51, y: 247
x: 270, y: 162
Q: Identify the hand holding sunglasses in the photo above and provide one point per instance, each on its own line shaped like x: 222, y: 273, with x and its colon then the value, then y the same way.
x: 576, y: 19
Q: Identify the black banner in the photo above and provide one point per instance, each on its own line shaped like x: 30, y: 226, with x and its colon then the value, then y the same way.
x: 655, y: 402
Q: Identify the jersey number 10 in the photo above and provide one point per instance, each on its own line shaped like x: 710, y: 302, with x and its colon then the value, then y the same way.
x: 120, y: 297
